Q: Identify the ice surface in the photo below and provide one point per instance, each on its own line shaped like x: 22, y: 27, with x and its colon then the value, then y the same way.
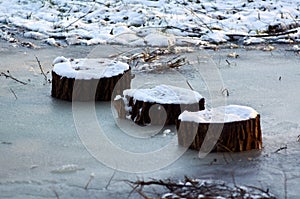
x: 164, y: 94
x: 229, y: 113
x: 43, y: 135
x: 88, y: 68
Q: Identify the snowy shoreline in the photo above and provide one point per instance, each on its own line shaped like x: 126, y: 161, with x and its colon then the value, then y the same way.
x: 150, y: 23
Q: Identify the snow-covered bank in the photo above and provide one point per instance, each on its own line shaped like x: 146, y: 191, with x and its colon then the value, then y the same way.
x: 150, y: 22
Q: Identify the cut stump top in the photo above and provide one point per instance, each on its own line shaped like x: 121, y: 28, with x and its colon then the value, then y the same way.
x: 164, y: 94
x: 87, y: 68
x: 222, y: 114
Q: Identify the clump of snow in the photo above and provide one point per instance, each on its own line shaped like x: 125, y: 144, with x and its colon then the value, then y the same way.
x: 167, y: 132
x: 69, y: 168
x: 222, y: 114
x: 88, y: 68
x: 253, y: 40
x: 164, y: 94
x: 215, y: 37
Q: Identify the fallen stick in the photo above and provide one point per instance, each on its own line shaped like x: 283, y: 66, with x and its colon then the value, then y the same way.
x: 41, y: 68
x: 13, y: 92
x: 280, y: 149
x: 263, y: 35
x: 8, y: 75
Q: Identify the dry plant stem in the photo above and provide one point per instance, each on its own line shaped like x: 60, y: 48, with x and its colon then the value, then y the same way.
x: 191, y: 188
x: 201, y: 21
x: 264, y: 35
x: 193, y: 33
x: 133, y: 187
x: 8, y: 75
x: 41, y: 68
x: 280, y: 149
x: 81, y: 17
x: 13, y: 92
x: 188, y: 83
x: 285, y: 185
x: 56, y: 194
x: 109, y: 181
x: 139, y: 191
x: 225, y: 159
x: 89, y: 181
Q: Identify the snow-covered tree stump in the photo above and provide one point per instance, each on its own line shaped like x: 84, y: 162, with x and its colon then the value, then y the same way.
x: 89, y: 79
x: 160, y: 105
x: 234, y: 128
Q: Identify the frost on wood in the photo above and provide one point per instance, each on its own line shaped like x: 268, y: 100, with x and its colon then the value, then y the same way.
x: 159, y: 105
x: 239, y: 128
x: 89, y: 79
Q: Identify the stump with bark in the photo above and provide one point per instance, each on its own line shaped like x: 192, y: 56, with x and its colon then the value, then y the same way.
x: 236, y: 129
x: 157, y: 106
x: 89, y: 79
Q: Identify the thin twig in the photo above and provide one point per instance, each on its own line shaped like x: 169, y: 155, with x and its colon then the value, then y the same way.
x: 201, y: 20
x: 192, y: 188
x: 263, y: 35
x: 285, y: 185
x: 8, y: 75
x: 133, y: 187
x: 225, y: 159
x: 81, y: 17
x: 5, y: 142
x: 13, y: 92
x: 41, y: 68
x: 188, y: 83
x: 89, y: 181
x: 233, y: 178
x: 139, y: 191
x: 176, y: 61
x: 56, y: 194
x: 280, y: 149
x: 227, y: 62
x: 225, y: 92
x: 109, y: 181
x: 193, y: 33
x: 224, y: 147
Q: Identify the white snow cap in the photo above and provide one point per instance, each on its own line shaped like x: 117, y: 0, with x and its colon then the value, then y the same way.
x: 88, y: 68
x: 164, y: 94
x: 230, y: 113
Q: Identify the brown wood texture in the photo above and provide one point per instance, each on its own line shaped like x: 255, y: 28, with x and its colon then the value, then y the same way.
x: 103, y: 89
x: 235, y: 136
x: 144, y: 113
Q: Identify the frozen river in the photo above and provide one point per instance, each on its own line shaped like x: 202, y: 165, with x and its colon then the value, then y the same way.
x: 42, y: 155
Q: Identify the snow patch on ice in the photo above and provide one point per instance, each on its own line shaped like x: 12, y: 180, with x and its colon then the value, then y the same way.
x: 68, y: 168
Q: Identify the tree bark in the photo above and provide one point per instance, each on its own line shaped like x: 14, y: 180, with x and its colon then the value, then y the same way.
x: 103, y: 89
x: 235, y: 136
x: 144, y: 113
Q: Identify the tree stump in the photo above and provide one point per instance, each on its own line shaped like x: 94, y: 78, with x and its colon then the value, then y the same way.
x: 160, y: 105
x: 89, y: 79
x: 235, y: 128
